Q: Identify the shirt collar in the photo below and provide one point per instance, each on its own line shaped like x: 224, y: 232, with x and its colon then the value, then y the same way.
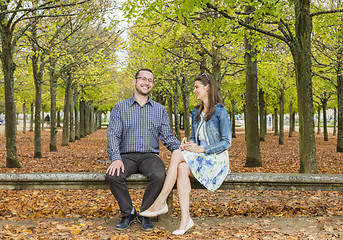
x: 133, y: 100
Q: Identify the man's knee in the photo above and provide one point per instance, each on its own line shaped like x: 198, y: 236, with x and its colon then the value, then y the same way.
x: 157, y: 176
x: 113, y: 178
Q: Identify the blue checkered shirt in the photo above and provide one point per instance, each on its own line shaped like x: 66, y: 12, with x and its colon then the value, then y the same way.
x: 133, y: 128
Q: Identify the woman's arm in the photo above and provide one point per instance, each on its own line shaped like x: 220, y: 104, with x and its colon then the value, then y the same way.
x: 224, y: 132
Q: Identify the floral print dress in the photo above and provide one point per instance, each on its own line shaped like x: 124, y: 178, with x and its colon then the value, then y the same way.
x: 210, y: 170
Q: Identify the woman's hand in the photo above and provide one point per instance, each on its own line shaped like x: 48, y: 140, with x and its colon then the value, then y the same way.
x: 192, y: 147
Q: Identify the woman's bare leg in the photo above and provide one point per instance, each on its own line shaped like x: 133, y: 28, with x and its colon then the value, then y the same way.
x: 176, y: 159
x: 184, y: 190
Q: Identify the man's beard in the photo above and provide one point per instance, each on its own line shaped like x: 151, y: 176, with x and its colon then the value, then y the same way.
x: 142, y: 93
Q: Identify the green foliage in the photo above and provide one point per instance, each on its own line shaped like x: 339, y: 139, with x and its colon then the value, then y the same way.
x: 80, y: 39
x: 177, y: 44
x: 191, y: 31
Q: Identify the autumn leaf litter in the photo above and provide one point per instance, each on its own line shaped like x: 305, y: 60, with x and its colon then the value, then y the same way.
x: 225, y: 214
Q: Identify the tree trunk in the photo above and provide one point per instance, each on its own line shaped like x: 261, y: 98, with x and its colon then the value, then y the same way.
x: 293, y: 117
x: 326, y: 137
x: 291, y: 123
x: 276, y: 123
x: 233, y: 119
x: 82, y: 118
x: 273, y: 121
x: 59, y: 118
x: 265, y: 121
x: 262, y: 115
x: 185, y: 98
x: 24, y: 120
x: 91, y: 118
x: 301, y: 51
x: 186, y: 117
x: 282, y: 111
x: 176, y: 111
x: 95, y: 116
x: 8, y: 68
x: 42, y: 119
x: 170, y: 112
x: 53, y: 108
x: 245, y: 121
x: 94, y: 110
x: 318, y: 127
x: 340, y: 108
x: 67, y: 103
x: 99, y: 119
x: 87, y: 120
x: 203, y: 61
x: 76, y: 111
x: 334, y: 121
x: 253, y: 158
x: 17, y: 122
x: 216, y: 67
x: 38, y: 80
x: 71, y: 120
x: 32, y: 118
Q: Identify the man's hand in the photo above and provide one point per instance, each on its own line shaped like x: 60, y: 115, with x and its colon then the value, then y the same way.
x: 115, y: 165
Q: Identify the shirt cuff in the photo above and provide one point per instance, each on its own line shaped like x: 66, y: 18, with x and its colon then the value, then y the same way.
x: 115, y: 157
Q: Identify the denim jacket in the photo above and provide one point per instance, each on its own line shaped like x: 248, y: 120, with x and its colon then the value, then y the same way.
x: 217, y: 130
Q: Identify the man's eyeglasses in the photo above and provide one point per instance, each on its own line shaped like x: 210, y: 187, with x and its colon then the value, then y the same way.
x: 205, y: 74
x: 146, y: 79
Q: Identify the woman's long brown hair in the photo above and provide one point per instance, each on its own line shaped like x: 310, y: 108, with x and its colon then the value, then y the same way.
x: 213, y: 95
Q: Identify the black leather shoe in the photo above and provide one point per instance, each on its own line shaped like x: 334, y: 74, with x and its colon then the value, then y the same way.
x: 125, y: 222
x: 145, y: 223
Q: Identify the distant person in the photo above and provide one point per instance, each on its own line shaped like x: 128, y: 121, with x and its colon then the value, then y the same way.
x: 135, y: 127
x: 205, y: 156
x: 47, y: 120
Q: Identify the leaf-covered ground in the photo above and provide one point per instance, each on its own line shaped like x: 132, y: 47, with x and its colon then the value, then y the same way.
x: 225, y: 214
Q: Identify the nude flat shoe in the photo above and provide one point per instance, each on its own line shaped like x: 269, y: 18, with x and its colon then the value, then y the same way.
x: 190, y: 224
x: 147, y: 213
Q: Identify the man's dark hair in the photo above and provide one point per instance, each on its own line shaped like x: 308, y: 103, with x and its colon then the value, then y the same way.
x: 142, y: 69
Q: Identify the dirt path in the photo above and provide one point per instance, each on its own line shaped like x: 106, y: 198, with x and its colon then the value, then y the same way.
x: 329, y: 227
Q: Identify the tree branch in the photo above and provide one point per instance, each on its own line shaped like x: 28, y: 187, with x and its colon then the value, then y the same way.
x: 198, y: 39
x: 171, y: 52
x: 326, y: 78
x: 48, y: 16
x: 43, y: 7
x: 13, y: 15
x: 326, y: 12
x: 234, y: 73
x: 242, y: 23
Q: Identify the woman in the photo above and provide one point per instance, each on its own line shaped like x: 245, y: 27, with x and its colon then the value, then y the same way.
x: 206, y: 155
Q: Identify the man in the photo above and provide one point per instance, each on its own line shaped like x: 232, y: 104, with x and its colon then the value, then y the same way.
x: 47, y: 120
x: 136, y: 125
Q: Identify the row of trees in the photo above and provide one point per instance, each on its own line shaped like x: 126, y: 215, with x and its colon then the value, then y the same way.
x: 57, y: 55
x: 260, y: 54
x: 60, y: 55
